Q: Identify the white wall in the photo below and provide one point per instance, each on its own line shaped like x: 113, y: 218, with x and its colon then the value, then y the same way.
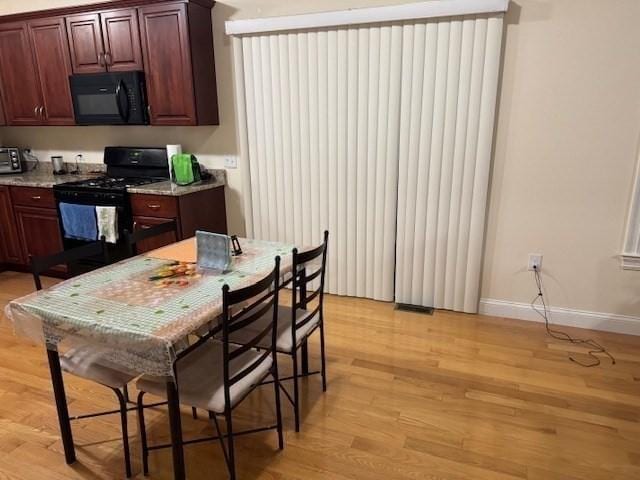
x: 566, y: 143
x: 566, y: 147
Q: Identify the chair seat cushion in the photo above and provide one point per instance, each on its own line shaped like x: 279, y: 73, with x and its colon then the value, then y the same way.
x: 201, y: 379
x: 84, y: 362
x: 284, y: 340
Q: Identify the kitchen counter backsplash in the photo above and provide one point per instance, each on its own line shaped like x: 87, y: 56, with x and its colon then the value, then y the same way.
x: 46, y: 168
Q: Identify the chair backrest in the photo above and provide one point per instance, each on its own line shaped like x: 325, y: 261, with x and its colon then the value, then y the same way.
x: 242, y: 308
x: 301, y: 293
x: 42, y: 264
x: 131, y: 239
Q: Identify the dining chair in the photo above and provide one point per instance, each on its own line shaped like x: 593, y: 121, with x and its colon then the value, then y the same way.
x: 298, y: 321
x: 83, y: 361
x: 217, y: 375
x: 132, y: 239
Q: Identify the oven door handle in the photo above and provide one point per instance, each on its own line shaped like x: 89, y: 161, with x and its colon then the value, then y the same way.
x: 122, y: 100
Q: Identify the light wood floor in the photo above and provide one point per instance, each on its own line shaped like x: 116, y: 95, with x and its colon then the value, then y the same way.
x: 410, y: 396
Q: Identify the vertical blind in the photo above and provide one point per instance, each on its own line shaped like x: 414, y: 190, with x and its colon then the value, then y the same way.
x: 321, y: 124
x: 450, y: 78
x: 380, y: 133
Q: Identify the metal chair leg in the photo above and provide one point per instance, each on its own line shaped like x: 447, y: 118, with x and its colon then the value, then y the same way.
x: 125, y: 391
x: 143, y: 435
x: 125, y: 430
x: 276, y: 384
x: 322, y: 357
x: 231, y: 463
x: 296, y: 393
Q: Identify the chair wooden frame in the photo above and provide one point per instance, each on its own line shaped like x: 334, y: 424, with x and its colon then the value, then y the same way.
x: 267, y: 291
x: 131, y: 239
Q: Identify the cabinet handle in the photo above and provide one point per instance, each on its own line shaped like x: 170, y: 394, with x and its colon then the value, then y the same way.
x: 35, y: 111
x: 101, y: 59
x: 107, y: 58
x: 36, y: 197
x: 41, y: 111
x: 153, y: 206
x: 149, y: 111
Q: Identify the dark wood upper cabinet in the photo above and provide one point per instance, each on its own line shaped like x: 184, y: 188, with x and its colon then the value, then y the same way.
x: 170, y: 40
x: 49, y: 44
x: 167, y: 64
x: 105, y: 41
x: 180, y: 71
x: 121, y: 38
x: 21, y: 93
x: 85, y: 43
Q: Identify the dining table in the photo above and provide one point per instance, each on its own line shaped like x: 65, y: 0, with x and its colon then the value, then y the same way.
x: 137, y: 315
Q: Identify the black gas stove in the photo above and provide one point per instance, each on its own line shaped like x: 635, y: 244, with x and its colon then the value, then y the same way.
x: 110, y: 183
x: 126, y: 167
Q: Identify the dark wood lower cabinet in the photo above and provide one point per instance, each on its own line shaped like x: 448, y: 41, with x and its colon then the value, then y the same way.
x: 39, y: 230
x: 29, y: 222
x: 204, y: 210
x: 10, y: 250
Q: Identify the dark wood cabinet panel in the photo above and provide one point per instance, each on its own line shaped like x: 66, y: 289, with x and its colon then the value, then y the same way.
x: 121, y: 38
x: 154, y: 205
x: 3, y: 119
x: 39, y: 230
x: 33, y: 197
x: 167, y: 64
x: 85, y: 43
x: 10, y: 250
x: 141, y: 223
x: 18, y: 74
x: 204, y: 65
x: 51, y: 54
x: 193, y: 217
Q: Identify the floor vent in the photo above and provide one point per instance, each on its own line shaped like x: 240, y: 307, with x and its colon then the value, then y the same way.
x: 406, y: 307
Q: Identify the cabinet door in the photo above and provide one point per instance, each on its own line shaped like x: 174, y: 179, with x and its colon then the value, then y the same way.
x: 121, y: 40
x: 167, y: 64
x: 20, y: 88
x: 10, y: 250
x: 39, y: 230
x: 85, y: 43
x: 51, y: 53
x: 141, y: 223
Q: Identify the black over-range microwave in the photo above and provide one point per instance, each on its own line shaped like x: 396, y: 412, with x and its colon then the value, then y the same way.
x: 117, y: 98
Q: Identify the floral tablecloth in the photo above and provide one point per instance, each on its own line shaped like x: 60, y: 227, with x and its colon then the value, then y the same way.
x: 133, y: 315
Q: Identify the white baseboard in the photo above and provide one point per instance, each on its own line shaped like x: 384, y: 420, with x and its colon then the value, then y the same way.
x: 608, y: 322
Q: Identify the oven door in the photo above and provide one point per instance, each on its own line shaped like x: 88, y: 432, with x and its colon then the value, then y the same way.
x: 117, y: 251
x: 109, y: 98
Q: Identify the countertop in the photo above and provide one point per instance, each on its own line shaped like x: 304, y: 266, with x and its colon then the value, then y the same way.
x: 46, y: 179
x: 218, y: 179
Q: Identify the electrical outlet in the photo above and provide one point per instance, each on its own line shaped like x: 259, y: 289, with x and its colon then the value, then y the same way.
x: 535, y: 260
x: 231, y: 162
